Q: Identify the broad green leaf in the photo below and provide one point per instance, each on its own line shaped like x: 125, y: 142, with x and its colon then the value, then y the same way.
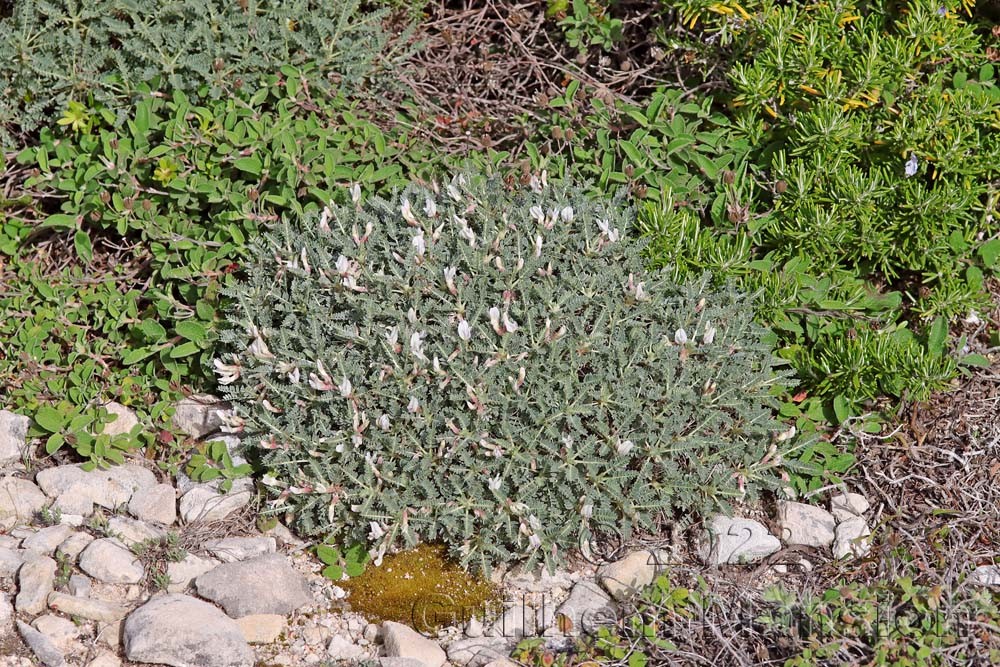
x: 192, y: 331
x: 50, y: 419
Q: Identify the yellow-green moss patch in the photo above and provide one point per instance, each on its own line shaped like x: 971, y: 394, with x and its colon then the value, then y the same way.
x: 421, y: 588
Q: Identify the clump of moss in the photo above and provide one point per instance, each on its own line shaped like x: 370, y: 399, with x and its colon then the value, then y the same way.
x: 422, y: 588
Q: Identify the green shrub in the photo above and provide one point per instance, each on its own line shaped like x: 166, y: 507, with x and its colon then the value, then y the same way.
x: 492, y: 370
x: 53, y: 52
x: 158, y: 211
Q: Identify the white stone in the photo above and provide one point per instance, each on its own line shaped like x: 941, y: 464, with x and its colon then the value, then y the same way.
x: 848, y: 506
x: 587, y: 609
x: 402, y: 641
x: 13, y: 431
x: 157, y: 504
x: 733, y: 541
x: 518, y: 620
x: 806, y: 525
x: 74, y: 545
x: 132, y: 531
x: 6, y: 614
x: 43, y: 647
x: 105, y: 660
x: 479, y: 651
x: 19, y: 501
x: 110, y: 561
x: 627, y: 577
x: 125, y: 419
x: 853, y: 538
x: 232, y: 549
x: 261, y: 628
x: 985, y: 575
x: 79, y: 586
x: 46, y: 540
x: 183, y: 573
x: 474, y: 628
x: 342, y: 648
x: 203, y: 503
x: 10, y: 561
x: 35, y: 581
x: 182, y: 631
x: 61, y: 631
x: 199, y: 415
x: 73, y: 487
x: 94, y: 610
x: 263, y: 585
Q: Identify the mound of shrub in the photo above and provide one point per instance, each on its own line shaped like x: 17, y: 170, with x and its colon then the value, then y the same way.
x: 493, y: 370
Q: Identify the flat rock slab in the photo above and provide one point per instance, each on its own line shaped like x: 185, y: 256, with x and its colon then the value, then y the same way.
x: 402, y: 641
x: 806, y: 525
x: 94, y: 610
x: 200, y: 414
x: 182, y: 631
x: 35, y: 581
x: 232, y: 549
x: 263, y: 585
x: 625, y: 578
x: 13, y: 430
x: 587, y: 609
x: 19, y: 501
x: 479, y: 651
x: 204, y: 503
x: 74, y: 487
x: 47, y: 539
x: 110, y: 561
x: 157, y: 504
x: 735, y: 541
x: 43, y: 647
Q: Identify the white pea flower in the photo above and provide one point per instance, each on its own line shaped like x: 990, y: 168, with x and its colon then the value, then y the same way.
x: 324, y: 219
x: 495, y: 320
x: 408, y: 212
x: 270, y: 407
x: 430, y: 208
x: 449, y: 279
x: 305, y: 262
x: 411, y: 315
x: 786, y: 435
x: 537, y: 213
x: 375, y: 531
x: 587, y: 510
x: 680, y: 337
x: 413, y: 407
x: 419, y: 243
x: 345, y: 387
x: 436, y: 365
x: 495, y: 483
x: 417, y: 345
x: 464, y: 330
x: 709, y: 336
x: 231, y: 423
x: 392, y: 337
x: 464, y: 231
x: 259, y: 349
x: 912, y: 165
x: 384, y: 423
x: 566, y: 214
x: 356, y: 193
x: 291, y: 371
x: 509, y: 324
x: 538, y: 245
x: 320, y: 380
x: 624, y: 447
x: 534, y: 541
x: 228, y: 373
x: 609, y: 232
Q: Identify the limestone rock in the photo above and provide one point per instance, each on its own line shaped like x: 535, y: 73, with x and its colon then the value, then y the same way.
x: 402, y: 641
x: 157, y: 504
x: 517, y: 621
x: 232, y: 549
x: 204, y: 503
x: 43, y: 647
x: 19, y: 501
x: 79, y: 586
x: 853, y: 538
x: 263, y: 585
x: 10, y: 561
x: 183, y: 573
x: 132, y: 531
x: 105, y: 660
x: 627, y: 577
x: 342, y: 648
x: 182, y: 631
x: 729, y: 540
x: 125, y: 419
x: 74, y: 545
x: 94, y: 610
x: 479, y: 651
x: 13, y: 431
x: 199, y: 415
x: 110, y: 561
x: 74, y: 487
x: 804, y: 524
x: 6, y: 614
x: 35, y: 581
x: 399, y: 662
x: 848, y: 506
x: 587, y: 608
x: 61, y: 631
x: 46, y: 540
x: 985, y: 575
x: 261, y: 628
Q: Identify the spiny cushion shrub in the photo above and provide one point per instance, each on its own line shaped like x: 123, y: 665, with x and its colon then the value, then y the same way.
x: 494, y: 370
x: 56, y: 51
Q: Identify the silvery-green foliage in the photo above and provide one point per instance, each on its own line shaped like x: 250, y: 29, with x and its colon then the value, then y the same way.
x: 493, y: 370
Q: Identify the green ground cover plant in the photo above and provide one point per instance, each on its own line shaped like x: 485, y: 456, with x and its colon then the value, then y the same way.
x: 104, y: 52
x: 492, y: 362
x: 157, y: 213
